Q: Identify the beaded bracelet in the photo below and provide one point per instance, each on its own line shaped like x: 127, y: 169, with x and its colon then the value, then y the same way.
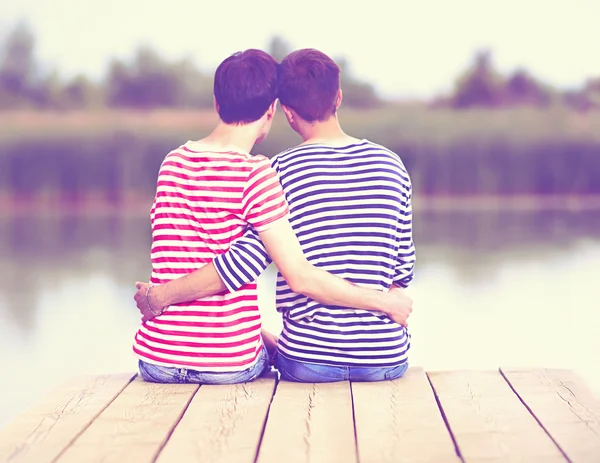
x: 150, y: 286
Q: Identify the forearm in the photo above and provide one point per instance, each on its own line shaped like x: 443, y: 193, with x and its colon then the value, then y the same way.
x: 329, y: 289
x: 241, y: 264
x: 200, y: 283
x: 304, y: 278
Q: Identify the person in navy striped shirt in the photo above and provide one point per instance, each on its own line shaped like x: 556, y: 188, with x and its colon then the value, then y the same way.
x: 350, y: 207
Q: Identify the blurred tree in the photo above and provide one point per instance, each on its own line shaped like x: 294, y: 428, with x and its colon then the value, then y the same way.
x: 81, y: 93
x: 279, y: 48
x: 592, y: 88
x: 197, y: 86
x: 593, y: 85
x: 147, y: 82
x: 577, y: 100
x: 521, y: 88
x: 17, y: 66
x: 150, y: 81
x: 356, y: 93
x: 480, y: 86
x: 585, y: 98
x: 47, y: 92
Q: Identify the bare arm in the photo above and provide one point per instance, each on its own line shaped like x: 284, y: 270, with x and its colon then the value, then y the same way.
x: 198, y: 284
x: 304, y: 278
x: 320, y: 285
x: 243, y: 263
x: 263, y: 200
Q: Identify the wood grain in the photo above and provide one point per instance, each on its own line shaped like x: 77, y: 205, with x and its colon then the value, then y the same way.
x: 399, y: 421
x: 134, y: 427
x: 488, y: 421
x: 564, y: 405
x: 42, y: 432
x: 222, y: 424
x: 309, y: 423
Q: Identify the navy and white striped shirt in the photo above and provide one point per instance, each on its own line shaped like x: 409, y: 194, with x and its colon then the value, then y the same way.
x: 351, y: 210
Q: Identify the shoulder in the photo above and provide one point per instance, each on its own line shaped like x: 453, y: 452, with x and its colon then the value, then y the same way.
x: 386, y: 153
x: 296, y: 154
x: 382, y: 149
x: 257, y: 160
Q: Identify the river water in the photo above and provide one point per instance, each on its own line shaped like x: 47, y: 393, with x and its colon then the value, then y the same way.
x: 491, y: 289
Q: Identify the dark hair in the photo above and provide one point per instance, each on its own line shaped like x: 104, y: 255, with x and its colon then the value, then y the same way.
x: 245, y: 86
x: 309, y: 82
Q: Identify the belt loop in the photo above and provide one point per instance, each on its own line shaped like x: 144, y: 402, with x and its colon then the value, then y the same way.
x: 182, y: 375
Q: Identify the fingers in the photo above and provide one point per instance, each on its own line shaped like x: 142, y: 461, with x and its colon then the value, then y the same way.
x: 140, y: 300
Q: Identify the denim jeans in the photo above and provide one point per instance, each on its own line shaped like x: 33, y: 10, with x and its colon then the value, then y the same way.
x: 162, y: 374
x: 303, y: 372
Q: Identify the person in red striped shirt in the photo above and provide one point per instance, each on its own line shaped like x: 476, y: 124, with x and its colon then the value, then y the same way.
x: 208, y: 192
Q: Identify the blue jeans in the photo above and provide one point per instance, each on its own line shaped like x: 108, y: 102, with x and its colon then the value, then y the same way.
x: 162, y: 374
x: 303, y: 372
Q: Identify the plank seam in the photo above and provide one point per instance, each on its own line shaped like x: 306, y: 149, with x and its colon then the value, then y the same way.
x: 85, y: 428
x: 264, y: 427
x: 354, y: 423
x: 445, y: 418
x: 172, y: 430
x: 533, y: 414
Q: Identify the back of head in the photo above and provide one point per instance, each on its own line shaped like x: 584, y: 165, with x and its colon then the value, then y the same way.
x: 309, y: 82
x: 245, y: 86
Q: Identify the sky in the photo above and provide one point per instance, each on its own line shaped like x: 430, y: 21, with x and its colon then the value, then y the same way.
x: 410, y: 49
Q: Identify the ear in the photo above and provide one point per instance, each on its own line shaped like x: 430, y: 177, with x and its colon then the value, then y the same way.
x: 215, y: 104
x: 289, y: 114
x: 272, y: 110
x: 338, y: 100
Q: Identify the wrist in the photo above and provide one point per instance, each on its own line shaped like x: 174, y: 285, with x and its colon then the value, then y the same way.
x: 380, y: 302
x: 156, y: 299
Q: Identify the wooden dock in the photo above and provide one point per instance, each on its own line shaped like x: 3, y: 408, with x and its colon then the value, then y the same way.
x: 470, y: 416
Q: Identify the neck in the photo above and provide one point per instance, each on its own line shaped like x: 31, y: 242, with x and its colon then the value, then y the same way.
x: 229, y: 137
x: 323, y: 132
x: 327, y: 132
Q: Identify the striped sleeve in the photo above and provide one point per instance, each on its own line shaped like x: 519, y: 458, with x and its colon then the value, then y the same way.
x: 263, y: 201
x: 405, y: 261
x: 244, y: 262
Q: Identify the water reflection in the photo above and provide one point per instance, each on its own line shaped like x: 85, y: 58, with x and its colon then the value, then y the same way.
x: 492, y: 288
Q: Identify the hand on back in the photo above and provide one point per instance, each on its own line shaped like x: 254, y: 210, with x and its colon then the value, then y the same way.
x: 399, y: 305
x: 142, y: 299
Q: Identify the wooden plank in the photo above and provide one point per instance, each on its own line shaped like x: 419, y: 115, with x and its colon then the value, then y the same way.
x: 135, y: 427
x: 43, y: 431
x: 488, y: 421
x: 564, y: 405
x: 222, y: 424
x: 309, y: 423
x: 399, y: 421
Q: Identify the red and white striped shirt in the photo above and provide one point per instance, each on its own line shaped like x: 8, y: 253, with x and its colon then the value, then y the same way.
x: 204, y: 201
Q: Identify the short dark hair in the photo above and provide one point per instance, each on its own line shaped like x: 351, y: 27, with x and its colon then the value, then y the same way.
x: 245, y: 86
x: 309, y: 82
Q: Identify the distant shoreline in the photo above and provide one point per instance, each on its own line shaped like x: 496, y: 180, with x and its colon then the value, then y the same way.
x: 136, y: 206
